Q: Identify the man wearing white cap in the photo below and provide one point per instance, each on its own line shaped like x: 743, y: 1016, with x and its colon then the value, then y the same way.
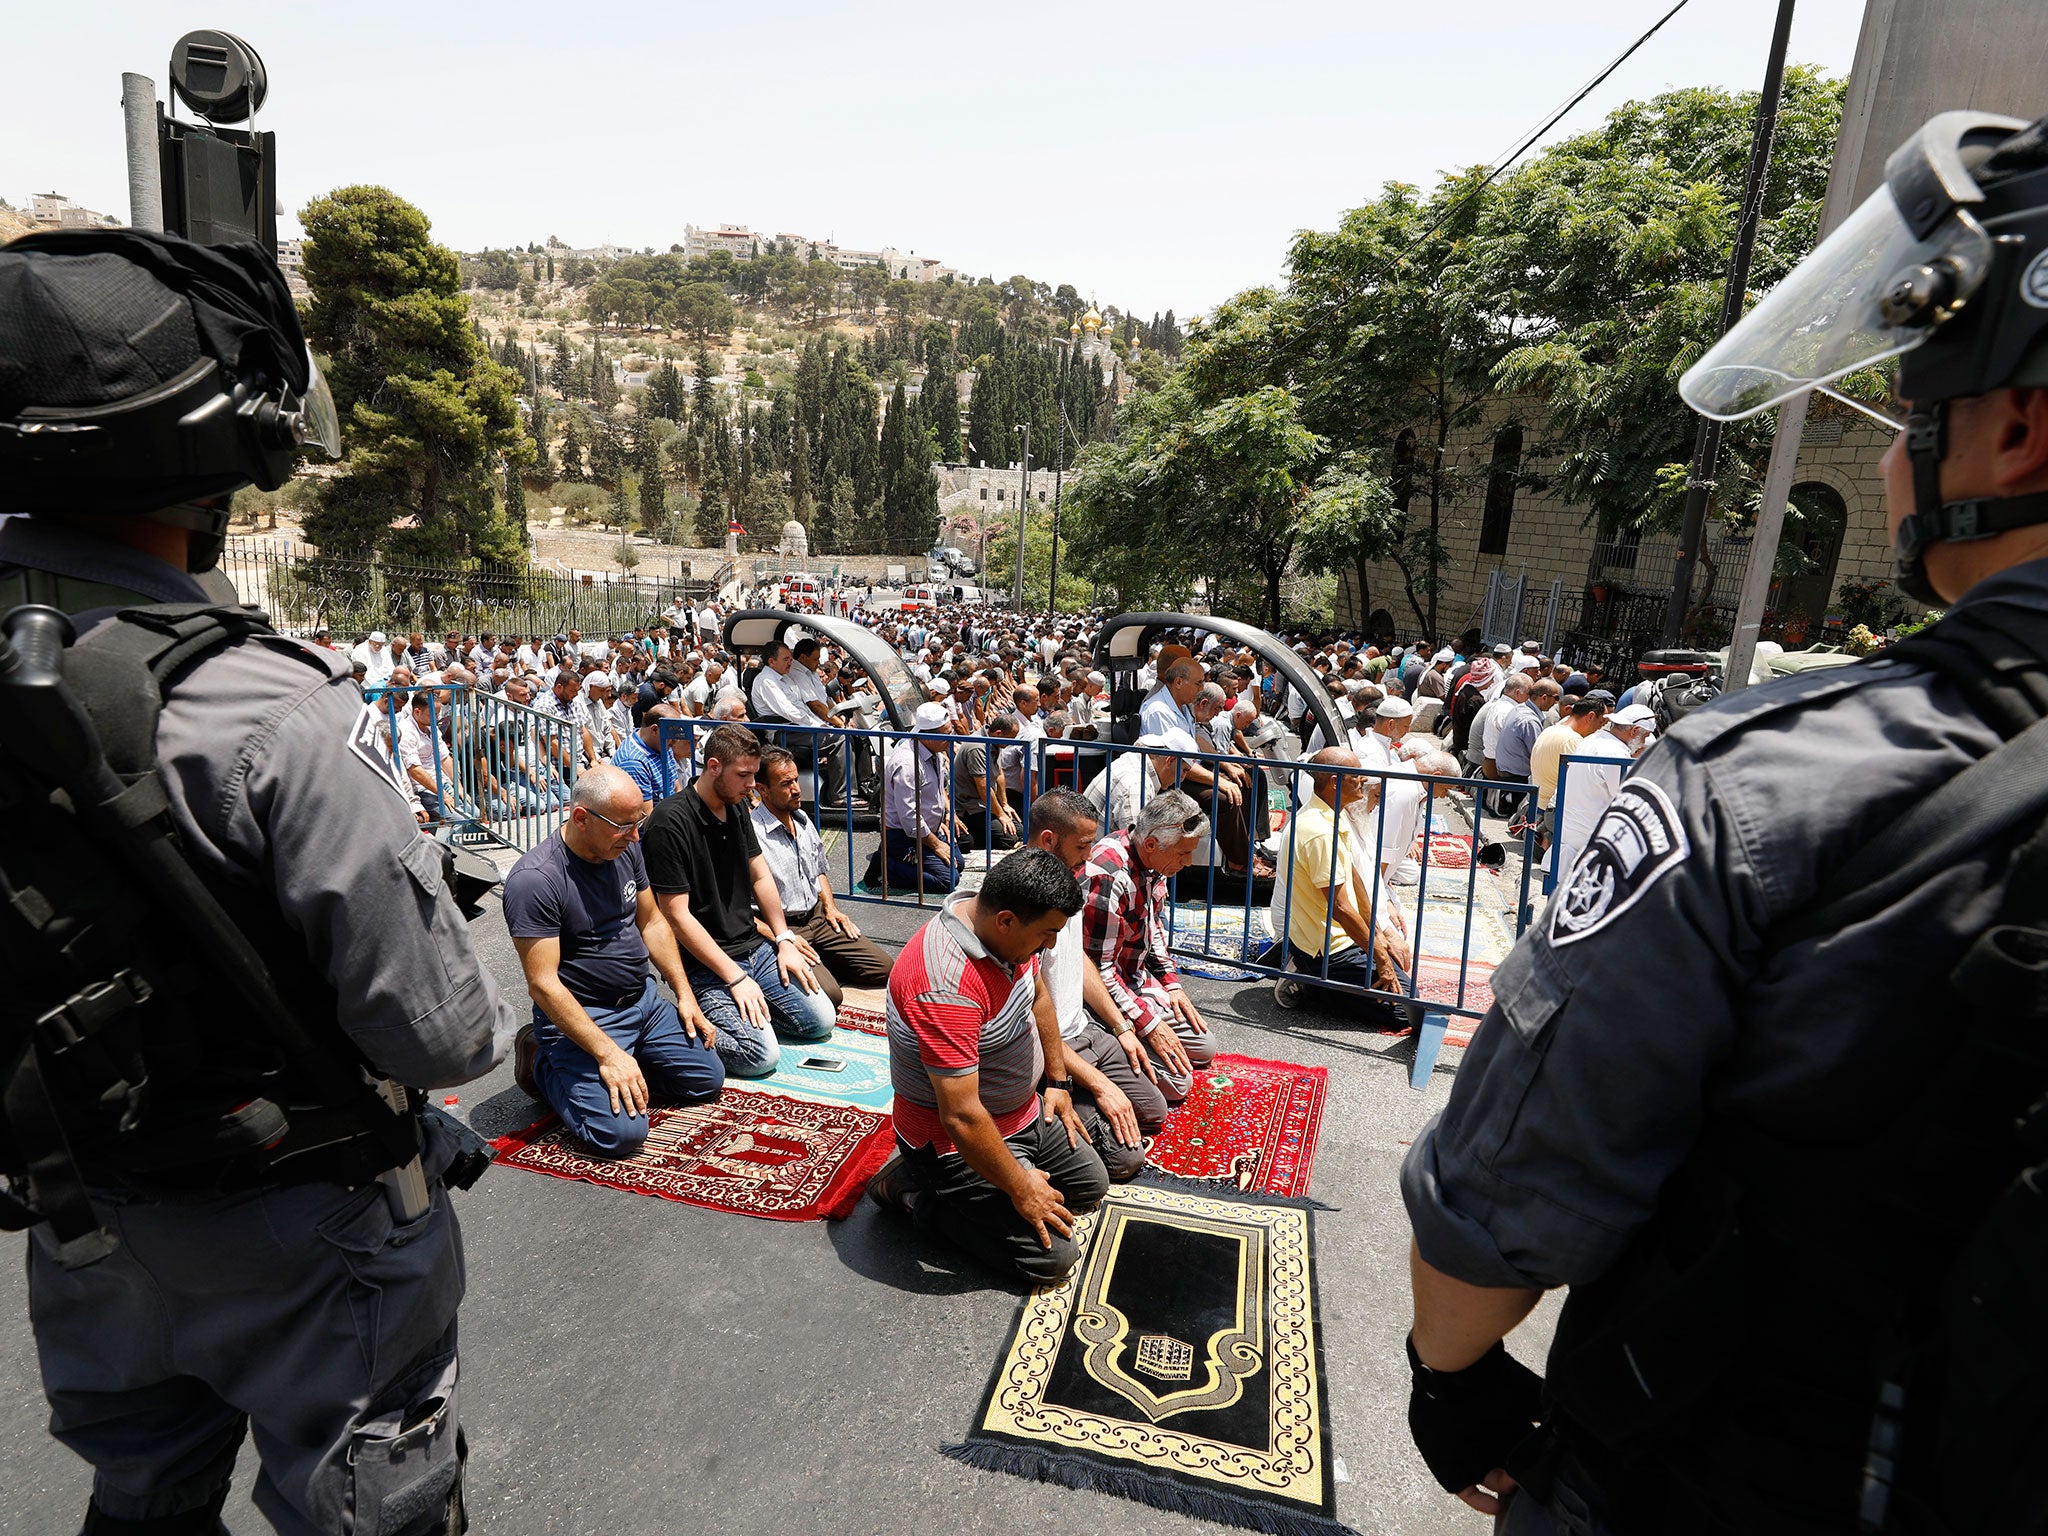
x: 1590, y: 784
x: 374, y: 657
x: 917, y: 814
x: 1435, y: 683
x: 1378, y: 747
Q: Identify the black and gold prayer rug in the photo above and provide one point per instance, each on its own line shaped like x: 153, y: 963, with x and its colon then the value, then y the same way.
x: 1180, y: 1365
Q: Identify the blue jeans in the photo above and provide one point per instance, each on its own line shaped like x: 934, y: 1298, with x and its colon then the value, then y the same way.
x: 746, y: 1049
x: 651, y: 1031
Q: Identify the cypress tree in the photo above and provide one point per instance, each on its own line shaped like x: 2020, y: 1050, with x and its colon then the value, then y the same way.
x: 572, y: 453
x: 712, y: 510
x: 801, y: 505
x: 942, y: 406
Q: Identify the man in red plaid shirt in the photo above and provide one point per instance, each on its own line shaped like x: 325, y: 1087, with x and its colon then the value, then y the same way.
x: 1123, y: 889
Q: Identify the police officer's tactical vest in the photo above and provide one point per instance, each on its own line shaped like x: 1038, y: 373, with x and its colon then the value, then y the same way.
x: 128, y: 1056
x: 1854, y: 1336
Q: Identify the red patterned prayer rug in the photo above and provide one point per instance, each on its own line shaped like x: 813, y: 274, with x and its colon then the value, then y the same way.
x: 761, y: 1154
x: 867, y: 1020
x: 1246, y: 1124
x: 1436, y: 981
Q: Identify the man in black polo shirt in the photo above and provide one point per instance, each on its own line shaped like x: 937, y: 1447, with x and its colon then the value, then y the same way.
x: 708, y: 873
x: 584, y: 921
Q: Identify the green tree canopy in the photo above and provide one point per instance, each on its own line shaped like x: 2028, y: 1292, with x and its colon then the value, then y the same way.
x: 427, y: 417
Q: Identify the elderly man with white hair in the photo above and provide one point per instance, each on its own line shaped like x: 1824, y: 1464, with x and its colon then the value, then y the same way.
x: 374, y: 656
x: 1588, y: 786
x: 1123, y: 931
x: 1404, y: 813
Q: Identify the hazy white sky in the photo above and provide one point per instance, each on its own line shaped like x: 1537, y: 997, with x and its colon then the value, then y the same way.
x: 1156, y: 155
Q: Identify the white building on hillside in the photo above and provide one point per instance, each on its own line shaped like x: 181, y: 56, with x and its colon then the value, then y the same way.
x: 53, y: 210
x: 742, y: 243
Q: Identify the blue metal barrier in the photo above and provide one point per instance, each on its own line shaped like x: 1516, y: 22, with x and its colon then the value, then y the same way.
x: 1096, y: 763
x: 500, y: 772
x: 1554, y: 866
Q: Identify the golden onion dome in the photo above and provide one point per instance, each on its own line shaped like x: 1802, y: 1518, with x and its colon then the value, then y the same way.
x: 1091, y: 320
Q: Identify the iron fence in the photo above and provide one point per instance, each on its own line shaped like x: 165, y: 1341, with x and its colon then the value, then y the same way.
x: 1628, y: 586
x: 932, y: 843
x: 303, y: 589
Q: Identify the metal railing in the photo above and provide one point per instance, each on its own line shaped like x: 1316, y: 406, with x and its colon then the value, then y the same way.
x: 902, y: 868
x: 302, y: 589
x: 1598, y: 786
x: 494, y: 770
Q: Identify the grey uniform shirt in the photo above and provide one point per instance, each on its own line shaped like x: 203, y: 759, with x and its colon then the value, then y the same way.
x: 260, y: 765
x: 1652, y: 996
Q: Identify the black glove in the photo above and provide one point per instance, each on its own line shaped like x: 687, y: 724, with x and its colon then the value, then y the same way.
x: 1466, y: 1422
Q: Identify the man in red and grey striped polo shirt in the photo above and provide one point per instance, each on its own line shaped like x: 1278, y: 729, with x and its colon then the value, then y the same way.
x: 984, y: 1159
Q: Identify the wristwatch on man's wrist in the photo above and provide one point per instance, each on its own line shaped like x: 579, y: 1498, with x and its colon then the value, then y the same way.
x: 783, y: 937
x: 1063, y: 1084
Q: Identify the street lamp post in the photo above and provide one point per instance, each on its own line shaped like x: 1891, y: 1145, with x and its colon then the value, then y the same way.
x: 1023, y: 501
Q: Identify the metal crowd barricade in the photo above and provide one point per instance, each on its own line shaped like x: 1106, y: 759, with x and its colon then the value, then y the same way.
x: 1555, y: 865
x: 1043, y: 762
x: 1431, y: 1014
x: 500, y: 772
x: 843, y: 815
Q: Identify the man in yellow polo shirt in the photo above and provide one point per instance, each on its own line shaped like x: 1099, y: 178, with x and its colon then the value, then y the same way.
x: 1582, y: 717
x: 1367, y: 944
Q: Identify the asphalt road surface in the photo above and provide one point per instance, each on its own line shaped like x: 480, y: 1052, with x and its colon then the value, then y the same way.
x: 633, y: 1365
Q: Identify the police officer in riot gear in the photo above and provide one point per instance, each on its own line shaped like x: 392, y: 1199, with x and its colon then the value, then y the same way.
x: 1767, y: 1088
x: 248, y: 1227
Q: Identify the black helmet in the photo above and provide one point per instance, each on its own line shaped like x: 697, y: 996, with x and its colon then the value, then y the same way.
x: 140, y: 373
x: 1944, y: 267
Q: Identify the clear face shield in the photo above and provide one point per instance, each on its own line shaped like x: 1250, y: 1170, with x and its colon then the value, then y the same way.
x: 315, y: 422
x: 1870, y: 292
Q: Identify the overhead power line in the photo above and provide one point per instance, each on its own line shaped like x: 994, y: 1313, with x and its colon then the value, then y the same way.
x: 1551, y: 122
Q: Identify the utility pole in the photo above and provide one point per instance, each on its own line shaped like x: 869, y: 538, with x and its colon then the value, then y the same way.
x: 145, y: 174
x: 1023, y: 500
x: 1699, y: 484
x: 1059, y: 474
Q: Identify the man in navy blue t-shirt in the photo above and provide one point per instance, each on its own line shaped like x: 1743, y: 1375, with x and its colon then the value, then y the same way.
x: 585, y: 923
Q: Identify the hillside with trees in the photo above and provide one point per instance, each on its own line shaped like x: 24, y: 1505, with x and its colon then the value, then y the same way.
x: 676, y: 396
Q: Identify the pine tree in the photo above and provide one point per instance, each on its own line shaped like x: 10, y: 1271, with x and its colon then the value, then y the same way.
x: 984, y: 421
x: 838, y: 528
x: 607, y: 452
x: 561, y: 369
x: 649, y: 464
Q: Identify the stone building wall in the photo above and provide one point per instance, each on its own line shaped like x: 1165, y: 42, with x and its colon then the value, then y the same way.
x: 1551, y: 539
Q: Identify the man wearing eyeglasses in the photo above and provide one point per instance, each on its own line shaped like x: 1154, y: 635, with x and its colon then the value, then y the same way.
x: 583, y: 918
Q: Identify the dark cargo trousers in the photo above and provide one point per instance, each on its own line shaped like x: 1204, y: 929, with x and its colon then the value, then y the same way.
x: 958, y: 1205
x: 307, y: 1315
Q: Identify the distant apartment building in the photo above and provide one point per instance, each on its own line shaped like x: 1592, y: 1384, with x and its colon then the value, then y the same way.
x: 978, y: 489
x: 53, y: 210
x: 291, y: 261
x: 740, y: 242
x: 736, y: 240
